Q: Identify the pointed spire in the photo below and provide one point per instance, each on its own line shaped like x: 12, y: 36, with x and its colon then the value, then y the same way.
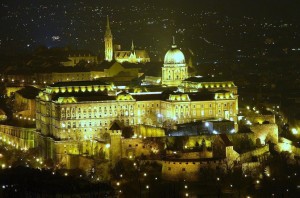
x: 107, y: 22
x: 174, y: 45
x: 108, y: 30
x: 132, y: 46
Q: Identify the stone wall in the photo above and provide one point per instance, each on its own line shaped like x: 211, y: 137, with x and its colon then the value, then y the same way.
x: 135, y: 147
x: 187, y: 170
x: 149, y: 131
x: 259, y: 153
x: 263, y: 133
x: 191, y: 155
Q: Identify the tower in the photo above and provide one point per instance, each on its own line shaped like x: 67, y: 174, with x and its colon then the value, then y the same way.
x: 174, y: 70
x: 108, y: 41
x: 115, y: 143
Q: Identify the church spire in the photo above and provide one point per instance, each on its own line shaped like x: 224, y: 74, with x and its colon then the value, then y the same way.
x: 132, y: 46
x: 108, y: 42
x: 107, y: 23
x: 108, y: 31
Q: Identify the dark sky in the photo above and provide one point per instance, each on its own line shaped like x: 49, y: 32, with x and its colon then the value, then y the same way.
x: 33, y: 22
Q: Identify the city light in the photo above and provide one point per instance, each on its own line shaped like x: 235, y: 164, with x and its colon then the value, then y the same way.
x: 294, y: 131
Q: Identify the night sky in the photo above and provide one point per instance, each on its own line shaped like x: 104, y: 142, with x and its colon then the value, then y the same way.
x: 80, y: 24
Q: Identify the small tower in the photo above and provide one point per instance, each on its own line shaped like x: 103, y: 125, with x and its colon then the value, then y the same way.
x: 108, y: 41
x: 115, y: 143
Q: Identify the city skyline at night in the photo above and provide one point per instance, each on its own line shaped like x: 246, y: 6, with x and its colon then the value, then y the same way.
x: 149, y: 98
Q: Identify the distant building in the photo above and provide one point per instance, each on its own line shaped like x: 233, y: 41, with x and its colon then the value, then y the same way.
x: 75, y: 57
x: 131, y: 56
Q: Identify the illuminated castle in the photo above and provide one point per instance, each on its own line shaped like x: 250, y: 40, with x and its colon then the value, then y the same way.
x: 75, y: 117
x: 131, y: 56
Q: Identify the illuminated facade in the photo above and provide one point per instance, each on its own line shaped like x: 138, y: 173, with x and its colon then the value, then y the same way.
x: 76, y: 114
x: 175, y: 69
x: 132, y: 56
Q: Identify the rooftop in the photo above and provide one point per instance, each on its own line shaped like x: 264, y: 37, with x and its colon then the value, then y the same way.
x: 78, y: 83
x: 29, y: 92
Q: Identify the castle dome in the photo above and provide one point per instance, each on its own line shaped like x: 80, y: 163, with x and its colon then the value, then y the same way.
x: 174, y: 56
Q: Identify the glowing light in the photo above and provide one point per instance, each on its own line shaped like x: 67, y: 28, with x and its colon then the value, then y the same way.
x: 286, y: 147
x: 107, y: 145
x: 294, y: 131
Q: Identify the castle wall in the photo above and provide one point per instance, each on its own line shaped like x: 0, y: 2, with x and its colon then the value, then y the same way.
x: 186, y: 170
x: 134, y: 147
x: 195, y: 155
x: 149, y: 131
x: 265, y: 132
x: 259, y: 153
